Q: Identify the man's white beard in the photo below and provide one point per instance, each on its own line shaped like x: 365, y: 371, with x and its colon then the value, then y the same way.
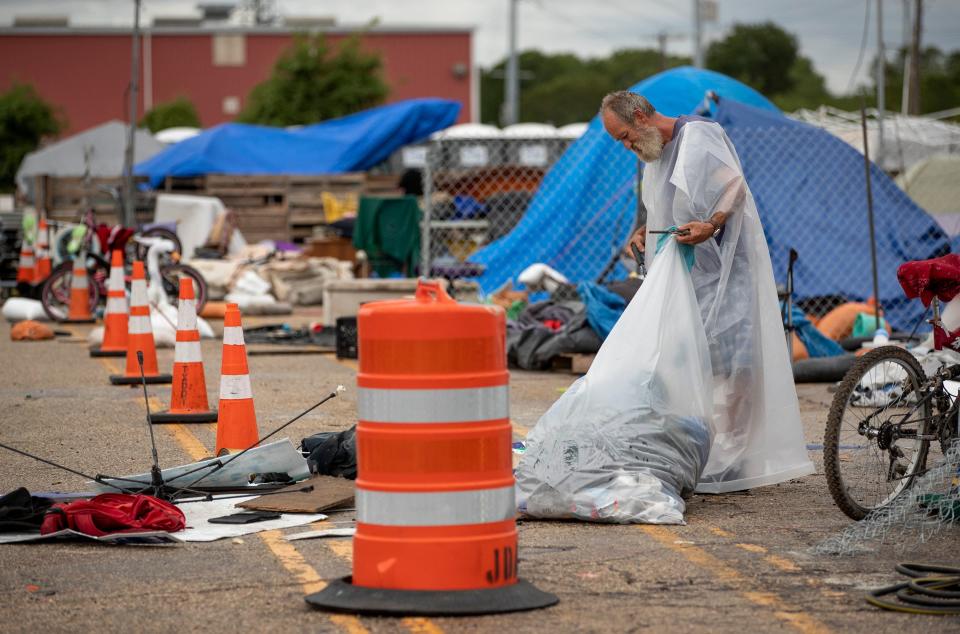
x: 649, y: 146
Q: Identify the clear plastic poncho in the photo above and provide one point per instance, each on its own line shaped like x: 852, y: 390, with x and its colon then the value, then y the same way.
x: 629, y: 439
x: 758, y: 434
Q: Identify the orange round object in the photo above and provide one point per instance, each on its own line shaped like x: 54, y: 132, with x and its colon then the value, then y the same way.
x: 30, y: 331
x: 838, y: 323
x: 435, y: 488
x: 798, y: 348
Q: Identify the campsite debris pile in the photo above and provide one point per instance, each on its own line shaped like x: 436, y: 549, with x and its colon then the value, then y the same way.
x: 270, y: 282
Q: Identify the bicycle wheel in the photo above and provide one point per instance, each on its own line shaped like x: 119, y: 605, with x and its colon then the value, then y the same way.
x: 140, y: 250
x: 876, y: 437
x: 55, y: 294
x: 171, y: 274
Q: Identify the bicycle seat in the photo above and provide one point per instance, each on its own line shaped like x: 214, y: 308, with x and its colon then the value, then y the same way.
x: 926, y: 279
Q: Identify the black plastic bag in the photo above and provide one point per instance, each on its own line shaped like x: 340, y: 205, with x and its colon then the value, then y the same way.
x: 332, y: 453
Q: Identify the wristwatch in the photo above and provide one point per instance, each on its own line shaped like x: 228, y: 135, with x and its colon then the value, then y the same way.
x: 716, y: 227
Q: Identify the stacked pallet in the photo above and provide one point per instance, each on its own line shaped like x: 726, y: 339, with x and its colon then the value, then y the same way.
x: 278, y: 207
x: 66, y: 198
x: 306, y: 195
x: 259, y: 202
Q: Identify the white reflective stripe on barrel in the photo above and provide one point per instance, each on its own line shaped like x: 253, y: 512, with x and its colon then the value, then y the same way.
x: 138, y: 293
x: 26, y: 261
x: 448, y: 508
x: 115, y: 282
x: 187, y: 352
x: 79, y: 282
x: 139, y: 325
x: 117, y: 305
x: 233, y: 336
x: 235, y: 387
x: 187, y: 314
x: 434, y: 406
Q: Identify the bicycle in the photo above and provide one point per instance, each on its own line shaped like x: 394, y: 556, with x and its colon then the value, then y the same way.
x: 884, y: 420
x: 55, y: 293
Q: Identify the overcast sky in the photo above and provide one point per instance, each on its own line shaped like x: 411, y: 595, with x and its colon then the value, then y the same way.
x: 829, y: 31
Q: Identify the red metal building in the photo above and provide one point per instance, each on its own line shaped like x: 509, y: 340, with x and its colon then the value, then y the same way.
x: 85, y: 72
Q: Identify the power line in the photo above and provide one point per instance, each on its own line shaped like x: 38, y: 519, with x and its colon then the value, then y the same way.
x: 863, y: 47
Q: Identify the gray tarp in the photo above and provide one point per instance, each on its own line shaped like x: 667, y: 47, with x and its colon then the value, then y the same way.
x: 105, y: 144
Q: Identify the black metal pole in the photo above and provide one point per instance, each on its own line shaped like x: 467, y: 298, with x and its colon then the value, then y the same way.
x: 873, y: 238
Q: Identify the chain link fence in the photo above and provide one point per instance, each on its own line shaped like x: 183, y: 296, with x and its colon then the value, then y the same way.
x: 480, y: 194
x: 494, y: 206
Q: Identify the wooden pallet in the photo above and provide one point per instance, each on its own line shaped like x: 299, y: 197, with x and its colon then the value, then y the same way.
x: 574, y: 362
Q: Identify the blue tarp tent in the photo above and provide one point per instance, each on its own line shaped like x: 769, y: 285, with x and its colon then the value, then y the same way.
x: 809, y: 187
x: 353, y: 143
x: 587, y: 203
x: 811, y: 194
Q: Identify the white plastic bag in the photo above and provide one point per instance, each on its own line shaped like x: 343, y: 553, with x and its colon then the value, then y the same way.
x: 20, y: 308
x: 629, y: 439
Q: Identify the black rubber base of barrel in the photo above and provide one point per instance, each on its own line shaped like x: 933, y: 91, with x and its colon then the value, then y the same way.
x: 78, y: 321
x: 96, y: 351
x: 173, y: 417
x: 342, y: 596
x: 123, y: 379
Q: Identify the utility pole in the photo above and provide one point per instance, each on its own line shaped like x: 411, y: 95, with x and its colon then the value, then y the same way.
x: 663, y: 38
x: 881, y: 84
x: 128, y: 198
x: 697, y: 35
x: 511, y: 108
x: 915, y: 58
x: 905, y: 44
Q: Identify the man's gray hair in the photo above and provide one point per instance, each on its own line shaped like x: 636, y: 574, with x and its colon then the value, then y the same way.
x: 624, y: 103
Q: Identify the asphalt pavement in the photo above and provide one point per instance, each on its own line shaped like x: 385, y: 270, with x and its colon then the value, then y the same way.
x: 741, y: 563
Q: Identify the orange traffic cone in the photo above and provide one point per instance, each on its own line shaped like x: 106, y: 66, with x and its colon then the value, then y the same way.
x: 79, y: 293
x: 115, y: 320
x: 188, y: 400
x: 140, y: 336
x: 26, y: 266
x: 237, y: 420
x: 43, y: 268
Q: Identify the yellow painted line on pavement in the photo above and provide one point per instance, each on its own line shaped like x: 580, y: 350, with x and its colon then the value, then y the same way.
x: 190, y: 443
x: 285, y: 552
x: 109, y: 365
x: 309, y: 579
x: 720, y: 532
x: 803, y: 623
x: 751, y: 548
x: 184, y: 437
x: 776, y: 561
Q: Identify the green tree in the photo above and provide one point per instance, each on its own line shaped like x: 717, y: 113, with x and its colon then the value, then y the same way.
x: 311, y: 83
x: 939, y: 80
x: 563, y: 88
x: 759, y: 55
x: 171, y: 114
x: 25, y: 119
x: 809, y: 88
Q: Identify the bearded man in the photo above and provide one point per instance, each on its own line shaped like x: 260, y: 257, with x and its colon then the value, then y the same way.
x: 692, y: 179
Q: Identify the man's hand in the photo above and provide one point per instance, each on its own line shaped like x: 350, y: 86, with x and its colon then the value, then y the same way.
x: 697, y: 232
x: 638, y: 238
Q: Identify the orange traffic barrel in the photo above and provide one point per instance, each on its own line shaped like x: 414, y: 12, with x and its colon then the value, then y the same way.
x: 436, y: 509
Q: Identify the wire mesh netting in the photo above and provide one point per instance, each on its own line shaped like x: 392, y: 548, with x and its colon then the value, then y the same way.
x: 920, y: 513
x: 495, y: 205
x: 478, y: 191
